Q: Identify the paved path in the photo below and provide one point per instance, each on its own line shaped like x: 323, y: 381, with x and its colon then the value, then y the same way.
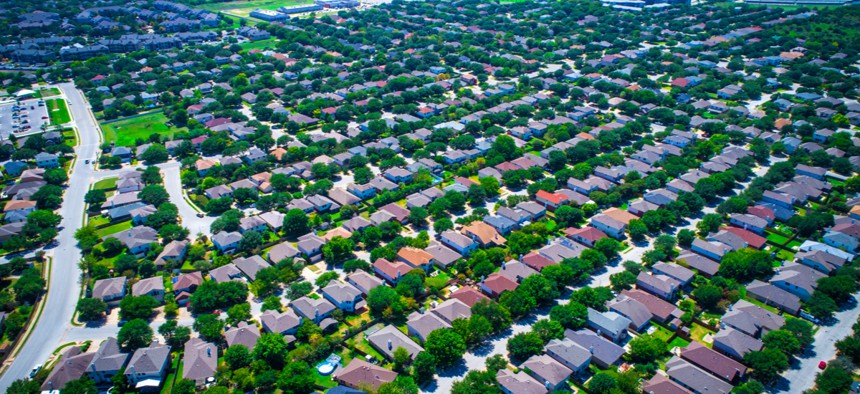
x: 801, y: 376
x: 173, y: 184
x: 64, y: 286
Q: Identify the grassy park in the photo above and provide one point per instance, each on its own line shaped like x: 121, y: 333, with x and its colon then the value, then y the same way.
x: 125, y: 132
x: 243, y: 8
x: 58, y: 111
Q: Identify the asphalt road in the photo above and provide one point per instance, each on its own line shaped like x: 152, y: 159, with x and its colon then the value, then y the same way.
x: 173, y: 184
x: 64, y: 286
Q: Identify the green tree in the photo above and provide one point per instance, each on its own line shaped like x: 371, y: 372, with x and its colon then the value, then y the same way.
x: 782, y: 340
x: 801, y: 329
x: 91, y: 309
x: 272, y: 349
x: 337, y: 250
x: 134, y: 335
x: 154, y: 194
x: 446, y: 346
x: 95, y: 197
x: 82, y: 385
x: 381, y: 298
x: 602, y: 383
x: 766, y: 364
x: 571, y: 316
x: 707, y: 296
x: 424, y: 368
x: 296, y: 223
x: 237, y: 356
x: 647, y: 348
x: 524, y: 345
x: 209, y: 326
x: 132, y: 307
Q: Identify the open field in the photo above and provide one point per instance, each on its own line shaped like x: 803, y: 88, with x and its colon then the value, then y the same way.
x: 126, y: 131
x: 58, y: 111
x: 243, y: 8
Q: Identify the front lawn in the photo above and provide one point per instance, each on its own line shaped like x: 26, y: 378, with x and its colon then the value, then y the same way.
x: 126, y: 131
x: 113, y: 229
x: 98, y: 220
x: 698, y: 332
x: 106, y: 184
x: 58, y: 111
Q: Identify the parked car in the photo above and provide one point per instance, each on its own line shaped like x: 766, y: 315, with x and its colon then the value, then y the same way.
x: 822, y: 364
x: 35, y: 370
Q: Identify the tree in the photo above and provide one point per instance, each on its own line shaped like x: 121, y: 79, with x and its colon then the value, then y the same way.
x: 24, y: 386
x: 839, y: 288
x: 418, y: 216
x: 801, y: 329
x: 821, y: 306
x: 401, y: 359
x: 237, y: 356
x: 446, y: 346
x: 91, y: 309
x: 155, y: 153
x: 239, y: 313
x: 745, y: 265
x: 686, y: 237
x: 95, y: 197
x: 296, y: 378
x: 524, y: 345
x: 209, y: 326
x: 299, y: 289
x: 132, y: 307
x: 272, y: 349
x: 782, y: 340
x: 424, y: 367
x: 476, y: 382
x: 337, y: 250
x: 750, y: 387
x: 548, y: 330
x: 833, y: 380
x: 154, y: 194
x: 647, y: 348
x: 210, y: 295
x: 709, y: 223
x: 505, y: 146
x: 707, y: 296
x: 83, y: 385
x: 134, y: 335
x: 766, y: 364
x: 498, y: 316
x: 623, y: 280
x: 568, y: 216
x: 637, y: 230
x: 602, y: 383
x: 55, y: 176
x: 296, y: 223
x: 572, y: 315
x: 381, y: 298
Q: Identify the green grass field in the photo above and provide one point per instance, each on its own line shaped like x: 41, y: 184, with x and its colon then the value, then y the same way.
x: 262, y: 44
x: 121, y: 226
x: 243, y: 8
x: 49, y: 92
x: 58, y: 111
x: 126, y: 131
x: 106, y: 184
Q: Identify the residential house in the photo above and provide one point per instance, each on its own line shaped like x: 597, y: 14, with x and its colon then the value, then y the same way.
x: 360, y: 374
x: 735, y: 343
x: 415, y: 258
x: 567, y: 352
x: 72, y: 365
x: 609, y: 324
x: 519, y: 383
x: 363, y: 281
x: 495, y: 284
x: 751, y: 319
x: 459, y: 242
x: 200, y: 361
x: 243, y: 334
x: 714, y: 362
x: 110, y: 290
x: 484, y: 234
x: 344, y: 296
x: 137, y: 239
x: 422, y: 324
x: 774, y: 296
x: 604, y: 352
x: 636, y: 312
x: 148, y: 366
x: 694, y: 378
x: 659, y: 285
x: 153, y: 287
x: 314, y: 309
x: 226, y: 241
x: 283, y: 323
x: 388, y: 339
x: 107, y: 361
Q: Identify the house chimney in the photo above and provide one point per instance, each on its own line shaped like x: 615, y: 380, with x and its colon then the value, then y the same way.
x: 208, y: 351
x: 389, y: 344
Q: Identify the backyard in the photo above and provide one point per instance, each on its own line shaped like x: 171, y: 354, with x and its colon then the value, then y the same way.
x: 58, y: 111
x: 126, y: 131
x: 113, y: 229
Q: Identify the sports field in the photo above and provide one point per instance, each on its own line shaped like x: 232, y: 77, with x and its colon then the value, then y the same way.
x: 126, y: 131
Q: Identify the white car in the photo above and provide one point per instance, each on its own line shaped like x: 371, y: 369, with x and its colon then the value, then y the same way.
x: 35, y: 370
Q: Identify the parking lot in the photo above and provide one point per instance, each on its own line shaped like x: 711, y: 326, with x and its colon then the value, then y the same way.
x: 28, y: 113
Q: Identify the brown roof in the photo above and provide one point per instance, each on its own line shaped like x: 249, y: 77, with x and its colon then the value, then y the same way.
x: 657, y: 306
x: 620, y: 215
x: 414, y: 256
x: 468, y: 295
x: 360, y: 373
x: 485, y: 233
x: 392, y: 269
x: 712, y: 361
x: 14, y: 205
x: 499, y: 283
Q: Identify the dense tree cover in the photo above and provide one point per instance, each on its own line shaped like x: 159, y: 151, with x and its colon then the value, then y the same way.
x: 210, y: 295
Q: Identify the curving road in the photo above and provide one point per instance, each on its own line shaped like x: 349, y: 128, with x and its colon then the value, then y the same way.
x: 64, y: 285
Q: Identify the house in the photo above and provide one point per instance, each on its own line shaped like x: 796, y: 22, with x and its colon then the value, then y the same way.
x: 251, y: 265
x: 200, y: 361
x: 137, y: 239
x: 252, y: 223
x: 532, y: 208
x: 519, y: 383
x: 468, y: 296
x: 107, y: 361
x: 344, y: 296
x: 661, y: 311
x: 712, y: 250
x: 422, y: 324
x: 659, y: 285
x: 546, y: 369
x: 173, y: 252
x: 314, y: 309
x: 283, y: 323
x: 187, y: 282
x: 47, y: 160
x: 516, y: 271
x: 797, y: 279
x: 820, y: 260
x: 751, y: 319
x: 360, y: 374
x: 442, y: 256
x: 148, y: 366
x: 774, y: 296
x: 388, y: 339
x: 713, y: 362
x: 311, y: 245
x: 72, y: 365
x: 636, y: 312
x: 735, y: 344
x: 459, y: 242
x: 612, y: 222
x: 573, y: 356
x: 587, y: 235
x: 363, y: 281
x: 153, y: 287
x: 549, y: 200
x: 609, y: 324
x: 702, y: 264
x: 495, y: 284
x: 749, y: 222
x: 17, y: 210
x: 452, y: 309
x: 694, y: 378
x: 281, y: 251
x: 603, y: 351
x: 110, y: 290
x: 390, y: 271
x: 243, y: 334
x: 225, y: 273
x: 415, y: 258
x: 661, y: 384
x: 484, y: 234
x: 674, y: 271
